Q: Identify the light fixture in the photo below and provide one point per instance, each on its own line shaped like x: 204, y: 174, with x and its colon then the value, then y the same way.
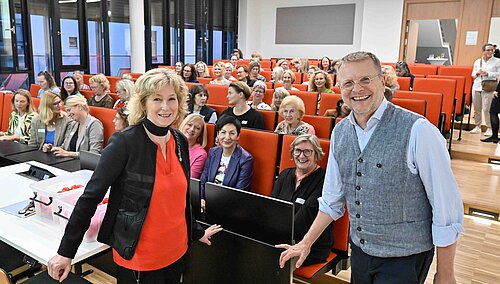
x: 483, y: 214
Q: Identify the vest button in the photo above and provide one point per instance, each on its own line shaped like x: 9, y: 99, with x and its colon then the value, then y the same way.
x: 360, y: 160
x: 379, y: 165
x: 357, y: 202
x: 358, y: 216
x: 362, y: 241
x: 358, y: 228
x: 358, y: 174
x: 358, y: 187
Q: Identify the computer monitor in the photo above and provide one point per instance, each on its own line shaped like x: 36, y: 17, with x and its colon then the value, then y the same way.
x: 89, y: 160
x: 194, y: 190
x: 255, y: 216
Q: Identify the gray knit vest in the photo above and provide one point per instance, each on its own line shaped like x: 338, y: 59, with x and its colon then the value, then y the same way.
x: 390, y: 215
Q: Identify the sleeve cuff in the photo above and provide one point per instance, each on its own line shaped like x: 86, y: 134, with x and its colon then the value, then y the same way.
x: 325, y: 208
x: 443, y: 236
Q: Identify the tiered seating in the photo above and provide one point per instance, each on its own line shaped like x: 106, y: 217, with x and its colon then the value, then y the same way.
x: 417, y: 106
x: 106, y: 116
x: 310, y: 100
x: 328, y: 101
x: 434, y: 103
x: 217, y: 94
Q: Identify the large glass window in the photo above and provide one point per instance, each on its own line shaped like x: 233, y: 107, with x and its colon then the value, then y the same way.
x: 157, y: 11
x: 119, y: 37
x: 40, y: 36
x: 189, y: 31
x: 6, y: 37
x: 22, y: 52
x: 95, y: 30
x: 70, y: 38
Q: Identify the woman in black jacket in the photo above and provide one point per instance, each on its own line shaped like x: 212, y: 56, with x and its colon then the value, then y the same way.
x: 148, y: 222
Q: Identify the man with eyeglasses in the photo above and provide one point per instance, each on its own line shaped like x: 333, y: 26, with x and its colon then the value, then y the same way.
x: 392, y: 170
x: 485, y: 68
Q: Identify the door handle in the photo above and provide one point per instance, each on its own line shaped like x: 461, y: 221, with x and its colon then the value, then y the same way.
x: 12, y: 30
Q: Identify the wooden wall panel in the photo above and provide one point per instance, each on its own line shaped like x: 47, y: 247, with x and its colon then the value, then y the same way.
x: 496, y: 8
x: 476, y: 15
x: 430, y: 11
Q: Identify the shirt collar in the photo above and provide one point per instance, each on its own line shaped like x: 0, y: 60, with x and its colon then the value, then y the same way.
x: 374, y: 119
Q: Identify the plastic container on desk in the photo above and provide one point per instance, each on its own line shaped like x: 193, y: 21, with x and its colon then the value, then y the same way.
x: 46, y: 191
x: 65, y: 205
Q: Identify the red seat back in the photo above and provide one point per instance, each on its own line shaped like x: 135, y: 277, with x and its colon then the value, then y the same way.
x: 6, y: 109
x: 423, y: 69
x: 269, y: 119
x: 106, y: 116
x: 465, y: 71
x: 266, y: 74
x: 264, y: 158
x: 415, y: 105
x: 444, y: 86
x: 434, y: 102
x: 34, y: 89
x: 112, y: 83
x: 217, y: 94
x: 404, y: 83
x: 310, y: 100
x: 2, y: 113
x: 459, y: 91
x: 328, y: 101
x: 204, y: 81
x: 210, y: 136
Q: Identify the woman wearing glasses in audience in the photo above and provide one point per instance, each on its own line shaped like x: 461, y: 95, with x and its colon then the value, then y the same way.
x: 220, y: 73
x: 148, y: 223
x: 227, y: 164
x: 124, y: 89
x: 189, y: 73
x: 258, y: 93
x: 244, y: 76
x: 69, y: 88
x: 23, y: 112
x: 100, y: 86
x: 85, y: 132
x: 292, y: 110
x: 303, y: 185
x: 198, y: 103
x: 195, y: 130
x: 47, y: 83
x: 49, y: 127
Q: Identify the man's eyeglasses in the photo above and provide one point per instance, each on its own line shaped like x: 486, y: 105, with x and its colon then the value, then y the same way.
x: 306, y: 152
x: 363, y: 82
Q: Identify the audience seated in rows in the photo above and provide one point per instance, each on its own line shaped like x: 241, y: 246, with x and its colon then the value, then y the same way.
x: 198, y: 103
x: 228, y: 164
x: 303, y: 186
x: 23, y: 112
x: 47, y: 83
x: 100, y: 86
x: 69, y: 88
x: 121, y: 119
x: 79, y: 79
x: 189, y: 73
x: 340, y: 111
x: 84, y: 132
x: 244, y: 75
x: 124, y: 90
x: 278, y: 96
x: 292, y: 110
x: 258, y: 93
x: 238, y: 94
x: 391, y: 81
x: 49, y: 127
x: 193, y: 127
x: 220, y: 73
x: 326, y: 65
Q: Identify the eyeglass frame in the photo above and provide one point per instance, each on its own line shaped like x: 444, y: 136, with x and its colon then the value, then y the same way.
x: 354, y: 82
x: 302, y: 151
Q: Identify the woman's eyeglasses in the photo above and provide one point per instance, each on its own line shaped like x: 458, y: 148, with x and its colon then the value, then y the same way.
x: 306, y: 152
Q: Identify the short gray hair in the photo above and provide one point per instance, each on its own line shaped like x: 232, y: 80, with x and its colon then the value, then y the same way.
x: 313, y: 139
x: 260, y: 84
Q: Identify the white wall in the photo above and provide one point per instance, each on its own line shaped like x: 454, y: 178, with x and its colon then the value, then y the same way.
x: 377, y: 28
x: 494, y: 37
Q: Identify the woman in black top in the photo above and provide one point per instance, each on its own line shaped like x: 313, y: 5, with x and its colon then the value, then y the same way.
x: 238, y: 94
x: 198, y: 103
x: 244, y: 75
x: 189, y: 73
x: 494, y: 112
x: 303, y: 185
x: 134, y: 165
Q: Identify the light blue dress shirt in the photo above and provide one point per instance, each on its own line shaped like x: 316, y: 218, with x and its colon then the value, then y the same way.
x: 428, y: 157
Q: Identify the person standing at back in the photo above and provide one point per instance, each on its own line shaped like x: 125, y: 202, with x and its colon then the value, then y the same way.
x: 485, y: 68
x: 392, y: 170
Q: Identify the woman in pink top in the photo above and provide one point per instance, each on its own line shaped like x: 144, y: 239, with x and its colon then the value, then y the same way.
x: 193, y: 127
